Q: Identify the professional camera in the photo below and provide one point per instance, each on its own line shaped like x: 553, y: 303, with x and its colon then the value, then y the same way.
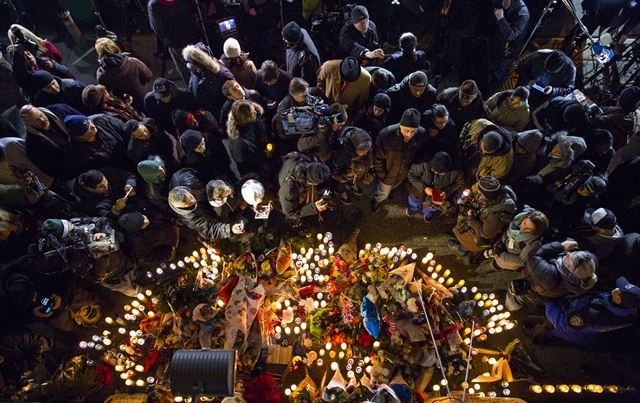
x: 27, y: 43
x: 580, y: 172
x: 311, y: 100
x: 300, y: 120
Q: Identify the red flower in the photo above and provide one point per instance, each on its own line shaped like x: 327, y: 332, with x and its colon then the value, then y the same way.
x: 365, y: 339
x: 103, y: 374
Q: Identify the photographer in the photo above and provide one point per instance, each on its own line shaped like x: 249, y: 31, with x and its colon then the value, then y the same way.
x: 483, y: 217
x: 351, y: 162
x: 549, y: 73
x: 359, y: 38
x: 298, y: 180
x: 318, y: 142
x: 557, y: 270
x: 301, y: 58
x: 22, y: 182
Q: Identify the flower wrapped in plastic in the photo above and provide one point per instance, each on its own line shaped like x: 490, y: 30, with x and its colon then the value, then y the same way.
x: 370, y: 317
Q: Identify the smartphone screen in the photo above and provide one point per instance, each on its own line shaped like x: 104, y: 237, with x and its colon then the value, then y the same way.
x: 538, y: 87
x: 262, y: 212
x: 44, y: 301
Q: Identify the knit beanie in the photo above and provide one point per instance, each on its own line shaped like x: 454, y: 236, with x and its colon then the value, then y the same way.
x: 629, y: 98
x: 191, y: 139
x: 576, y: 115
x: 410, y: 118
x: 382, y: 100
x: 350, y: 69
x: 554, y: 62
x: 489, y: 187
x: 292, y: 32
x: 359, y: 13
x: 56, y: 227
x: 491, y: 142
x: 231, y: 48
x: 418, y: 78
x: 441, y: 162
x: 131, y: 222
x: 317, y: 173
x: 76, y: 125
x: 39, y: 79
x: 91, y: 97
x: 148, y: 169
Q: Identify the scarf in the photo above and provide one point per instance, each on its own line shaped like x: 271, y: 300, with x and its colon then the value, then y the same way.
x: 514, y: 232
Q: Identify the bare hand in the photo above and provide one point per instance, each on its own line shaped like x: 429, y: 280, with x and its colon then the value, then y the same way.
x: 570, y: 245
x: 428, y: 191
x: 98, y: 236
x: 499, y: 13
x: 130, y: 189
x: 237, y: 228
x: 321, y: 205
x: 548, y: 89
x: 252, y: 11
x: 531, y: 82
x: 120, y: 204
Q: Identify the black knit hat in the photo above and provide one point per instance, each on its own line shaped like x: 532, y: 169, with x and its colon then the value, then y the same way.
x: 191, y: 139
x: 382, y: 100
x: 39, y: 79
x: 554, y: 62
x: 441, y: 162
x: 629, y: 98
x: 131, y: 222
x: 359, y: 13
x: 410, y: 118
x: 418, y: 78
x: 492, y: 141
x: 350, y: 69
x: 317, y: 173
x: 489, y: 187
x: 292, y: 32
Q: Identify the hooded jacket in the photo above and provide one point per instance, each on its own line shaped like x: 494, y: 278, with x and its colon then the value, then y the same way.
x: 401, y: 99
x: 70, y: 94
x: 461, y: 115
x: 303, y: 59
x: 525, y: 153
x: 500, y: 112
x: 247, y: 142
x: 125, y: 75
x: 422, y: 176
x: 206, y: 85
x: 477, y: 164
x: 161, y: 112
x: 156, y: 193
x: 393, y: 156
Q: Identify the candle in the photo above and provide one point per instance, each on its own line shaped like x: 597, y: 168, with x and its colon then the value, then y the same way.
x: 128, y: 382
x: 109, y: 320
x: 140, y: 382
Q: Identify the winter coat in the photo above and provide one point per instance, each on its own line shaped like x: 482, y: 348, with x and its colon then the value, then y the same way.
x: 213, y: 163
x: 371, y: 124
x: 70, y: 94
x: 393, y: 156
x: 477, y: 164
x: 275, y: 92
x: 355, y: 95
x: 52, y: 151
x: 543, y: 272
x: 16, y: 169
x: 500, y: 112
x: 250, y: 95
x: 449, y: 133
x: 549, y: 117
x: 109, y: 148
x: 506, y: 34
x: 245, y: 74
x: 297, y: 199
x: 202, y: 218
x: 620, y: 192
x: 390, y: 80
x: 173, y: 23
x: 345, y: 165
x: 356, y: 44
x: 601, y: 245
x: 100, y: 204
x: 303, y: 59
x: 159, y: 143
x: 461, y: 115
x: 402, y: 64
x: 421, y: 176
x: 10, y: 94
x: 516, y: 254
x: 532, y: 69
x: 618, y: 122
x: 524, y: 159
x: 401, y: 99
x: 206, y: 86
x: 486, y: 226
x: 153, y: 245
x: 161, y: 112
x: 155, y: 194
x: 551, y: 169
x: 623, y: 261
x: 247, y: 143
x: 124, y: 75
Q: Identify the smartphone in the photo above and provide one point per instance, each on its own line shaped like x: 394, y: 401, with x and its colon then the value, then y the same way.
x: 538, y: 87
x: 47, y: 304
x: 262, y: 212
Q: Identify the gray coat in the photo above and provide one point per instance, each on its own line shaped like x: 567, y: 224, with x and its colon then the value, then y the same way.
x: 293, y: 189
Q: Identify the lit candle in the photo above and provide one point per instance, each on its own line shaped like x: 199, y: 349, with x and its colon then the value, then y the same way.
x: 303, y: 325
x: 128, y: 382
x: 140, y: 383
x: 109, y: 320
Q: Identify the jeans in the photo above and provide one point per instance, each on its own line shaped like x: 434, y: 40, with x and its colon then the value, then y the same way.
x: 382, y: 190
x: 415, y: 205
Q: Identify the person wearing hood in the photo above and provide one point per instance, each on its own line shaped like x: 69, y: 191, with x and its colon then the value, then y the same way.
x: 97, y: 99
x: 164, y: 99
x: 522, y: 237
x: 97, y: 140
x: 464, y: 103
x: 207, y: 76
x: 124, y: 75
x: 359, y: 38
x: 106, y: 192
x: 442, y: 132
x: 598, y: 232
x: 489, y: 212
x: 148, y: 243
x: 145, y: 139
x: 599, y: 149
x: 351, y: 162
x: 618, y: 119
x: 298, y: 179
x: 16, y: 170
x: 486, y: 149
x: 48, y: 143
x: 561, y: 114
x: 525, y: 154
x: 195, y: 213
x: 396, y: 147
x: 205, y: 154
x: 48, y: 89
x: 509, y: 109
x: 174, y: 24
x: 407, y: 59
x: 556, y: 270
x: 301, y: 57
x: 247, y: 137
x: 434, y: 186
x: 345, y: 82
x: 550, y: 69
x: 375, y: 116
x: 238, y: 62
x: 414, y: 91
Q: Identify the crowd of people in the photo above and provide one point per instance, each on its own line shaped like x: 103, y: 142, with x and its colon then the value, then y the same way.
x: 99, y: 180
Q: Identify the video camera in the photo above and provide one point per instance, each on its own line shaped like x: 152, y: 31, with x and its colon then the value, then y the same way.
x: 580, y: 172
x: 301, y: 120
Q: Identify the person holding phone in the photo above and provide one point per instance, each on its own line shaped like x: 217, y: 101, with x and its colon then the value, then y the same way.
x: 549, y: 73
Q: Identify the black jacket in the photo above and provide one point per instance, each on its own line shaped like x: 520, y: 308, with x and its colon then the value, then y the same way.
x: 153, y: 245
x: 109, y: 148
x: 100, y: 204
x: 293, y: 190
x: 161, y: 112
x: 303, y: 60
x: 356, y: 44
x: 401, y: 64
x: 532, y: 69
x: 174, y: 24
x: 401, y: 99
x: 158, y: 144
x: 70, y: 94
x: 393, y: 156
x: 461, y: 115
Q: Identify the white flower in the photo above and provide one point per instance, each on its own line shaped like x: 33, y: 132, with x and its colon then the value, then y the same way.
x: 307, y: 304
